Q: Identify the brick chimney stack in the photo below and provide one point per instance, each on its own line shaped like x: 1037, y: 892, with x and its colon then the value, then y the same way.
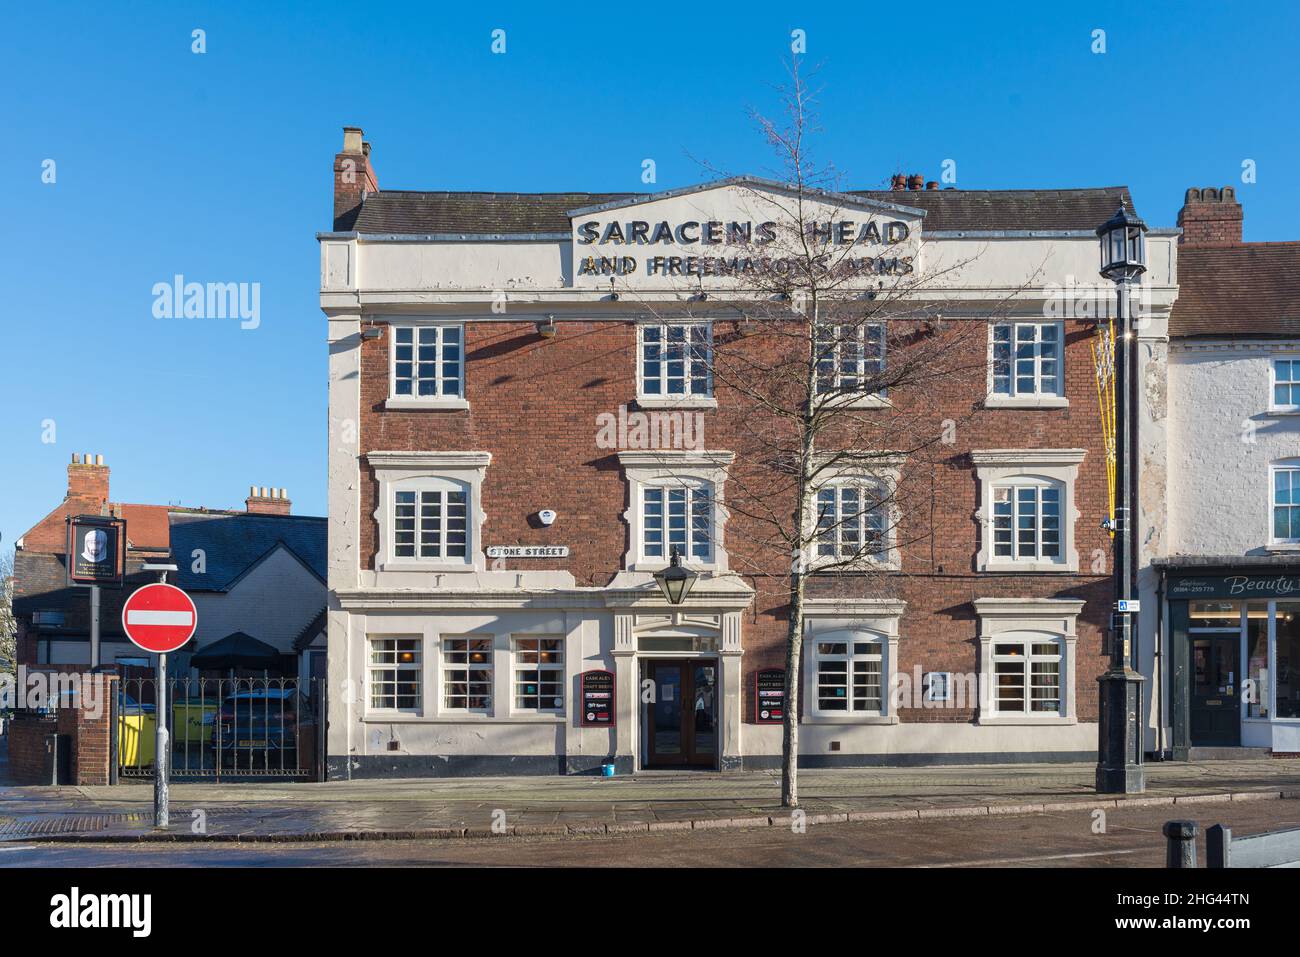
x: 87, y: 484
x: 354, y: 177
x: 267, y: 501
x: 1210, y: 217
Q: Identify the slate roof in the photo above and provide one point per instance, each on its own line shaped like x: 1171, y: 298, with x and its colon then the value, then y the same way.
x: 309, y: 633
x: 40, y: 584
x: 233, y: 543
x: 470, y: 213
x: 1242, y: 289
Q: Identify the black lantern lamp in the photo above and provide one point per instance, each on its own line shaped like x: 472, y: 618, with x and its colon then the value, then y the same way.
x: 1123, y: 245
x: 675, y: 581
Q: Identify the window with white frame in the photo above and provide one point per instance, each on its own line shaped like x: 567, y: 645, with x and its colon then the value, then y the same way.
x: 675, y: 359
x: 395, y: 674
x: 1027, y: 521
x: 427, y: 362
x: 680, y: 515
x: 849, y: 675
x: 539, y: 674
x: 849, y: 355
x: 430, y: 523
x: 467, y: 674
x: 1027, y: 359
x: 1286, y: 385
x: 852, y: 522
x: 1027, y: 675
x: 1286, y: 503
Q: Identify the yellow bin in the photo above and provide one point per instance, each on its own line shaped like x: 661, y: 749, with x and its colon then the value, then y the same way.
x: 187, y: 723
x: 136, y: 735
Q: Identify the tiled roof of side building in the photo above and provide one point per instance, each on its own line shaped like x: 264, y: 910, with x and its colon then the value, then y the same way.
x: 1242, y: 289
x: 417, y: 213
x: 232, y: 543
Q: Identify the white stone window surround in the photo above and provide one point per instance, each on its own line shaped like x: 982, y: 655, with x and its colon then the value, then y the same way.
x: 669, y: 468
x: 1000, y: 467
x: 415, y: 402
x: 413, y: 471
x: 1280, y: 465
x: 867, y: 468
x: 1036, y: 400
x: 1053, y: 619
x: 688, y: 400
x: 841, y: 619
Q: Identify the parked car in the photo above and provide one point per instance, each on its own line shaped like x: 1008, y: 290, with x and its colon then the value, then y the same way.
x: 258, y: 730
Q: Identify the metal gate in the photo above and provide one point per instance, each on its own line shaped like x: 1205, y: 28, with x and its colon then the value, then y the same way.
x: 223, y: 728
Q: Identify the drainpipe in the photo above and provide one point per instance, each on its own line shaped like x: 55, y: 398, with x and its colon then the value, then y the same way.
x: 1157, y: 672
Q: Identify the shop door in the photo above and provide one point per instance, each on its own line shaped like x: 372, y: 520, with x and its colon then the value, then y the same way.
x: 1215, y: 689
x: 681, y: 721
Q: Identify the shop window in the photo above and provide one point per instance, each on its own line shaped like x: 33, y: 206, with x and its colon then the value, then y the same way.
x: 1288, y: 659
x: 1257, y: 670
x: 395, y: 674
x: 1027, y: 359
x: 1027, y: 677
x: 675, y: 360
x: 467, y: 674
x: 1215, y: 614
x: 849, y: 675
x: 539, y: 674
x: 427, y: 362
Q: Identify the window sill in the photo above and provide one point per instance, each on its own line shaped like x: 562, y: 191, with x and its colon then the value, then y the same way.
x: 856, y: 568
x: 1024, y: 720
x: 1026, y: 402
x: 434, y: 567
x: 676, y: 402
x: 837, y: 719
x: 1036, y: 567
x: 395, y: 404
x: 1282, y: 411
x: 1282, y: 547
x: 851, y: 401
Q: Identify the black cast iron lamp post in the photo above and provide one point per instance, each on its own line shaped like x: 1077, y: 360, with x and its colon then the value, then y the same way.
x: 675, y: 581
x: 1120, y: 737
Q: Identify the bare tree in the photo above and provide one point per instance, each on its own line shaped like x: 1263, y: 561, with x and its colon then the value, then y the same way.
x: 8, y: 624
x: 831, y: 361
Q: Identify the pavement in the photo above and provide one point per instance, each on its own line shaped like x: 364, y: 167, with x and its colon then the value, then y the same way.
x: 576, y: 806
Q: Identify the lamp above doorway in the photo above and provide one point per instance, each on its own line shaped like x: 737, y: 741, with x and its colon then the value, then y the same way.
x: 675, y: 581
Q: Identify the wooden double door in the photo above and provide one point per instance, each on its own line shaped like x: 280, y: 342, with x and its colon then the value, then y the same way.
x: 681, y: 716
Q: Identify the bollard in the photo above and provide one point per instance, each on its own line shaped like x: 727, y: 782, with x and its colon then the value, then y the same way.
x: 52, y: 746
x: 1180, y: 849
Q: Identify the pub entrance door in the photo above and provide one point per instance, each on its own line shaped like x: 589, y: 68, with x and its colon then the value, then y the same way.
x: 680, y: 721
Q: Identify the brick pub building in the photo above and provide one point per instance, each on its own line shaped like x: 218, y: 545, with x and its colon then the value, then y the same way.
x: 487, y: 550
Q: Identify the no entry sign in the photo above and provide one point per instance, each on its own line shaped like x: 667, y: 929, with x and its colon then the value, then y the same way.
x: 159, y: 618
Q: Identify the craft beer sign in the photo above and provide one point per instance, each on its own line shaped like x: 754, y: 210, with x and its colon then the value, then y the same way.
x: 741, y: 231
x: 597, y: 699
x: 769, y: 696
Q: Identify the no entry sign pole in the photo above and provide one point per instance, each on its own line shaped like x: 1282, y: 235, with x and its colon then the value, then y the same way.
x: 160, y: 618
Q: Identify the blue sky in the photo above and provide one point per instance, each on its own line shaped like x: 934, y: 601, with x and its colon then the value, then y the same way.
x: 217, y: 166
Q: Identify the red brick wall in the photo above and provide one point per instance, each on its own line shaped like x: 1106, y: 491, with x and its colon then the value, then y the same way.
x: 90, y: 736
x: 534, y: 403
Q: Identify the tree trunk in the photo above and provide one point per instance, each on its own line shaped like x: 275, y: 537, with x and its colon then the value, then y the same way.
x: 790, y: 723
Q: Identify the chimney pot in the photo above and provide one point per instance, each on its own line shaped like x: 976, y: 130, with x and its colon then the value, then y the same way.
x: 352, y: 139
x: 932, y: 185
x: 915, y: 181
x: 76, y: 458
x: 99, y: 460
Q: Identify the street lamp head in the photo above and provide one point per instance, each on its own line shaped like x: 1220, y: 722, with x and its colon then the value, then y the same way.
x: 1123, y: 245
x: 675, y: 581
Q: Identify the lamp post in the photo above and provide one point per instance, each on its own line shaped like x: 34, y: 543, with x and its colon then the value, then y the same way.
x: 675, y: 581
x: 1119, y: 746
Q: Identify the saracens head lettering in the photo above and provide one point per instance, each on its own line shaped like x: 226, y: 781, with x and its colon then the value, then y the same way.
x: 639, y: 232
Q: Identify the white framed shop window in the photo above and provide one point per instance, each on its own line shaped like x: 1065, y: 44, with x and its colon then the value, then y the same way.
x: 675, y: 498
x: 538, y: 675
x: 1027, y: 510
x: 430, y: 510
x: 426, y: 365
x: 1027, y: 660
x: 395, y: 674
x: 467, y: 674
x: 1026, y: 367
x: 850, y: 657
x: 675, y: 364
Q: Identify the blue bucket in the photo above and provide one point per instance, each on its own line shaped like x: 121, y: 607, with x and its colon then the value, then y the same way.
x: 607, y: 770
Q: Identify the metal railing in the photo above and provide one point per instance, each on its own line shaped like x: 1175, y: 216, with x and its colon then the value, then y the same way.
x: 223, y: 727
